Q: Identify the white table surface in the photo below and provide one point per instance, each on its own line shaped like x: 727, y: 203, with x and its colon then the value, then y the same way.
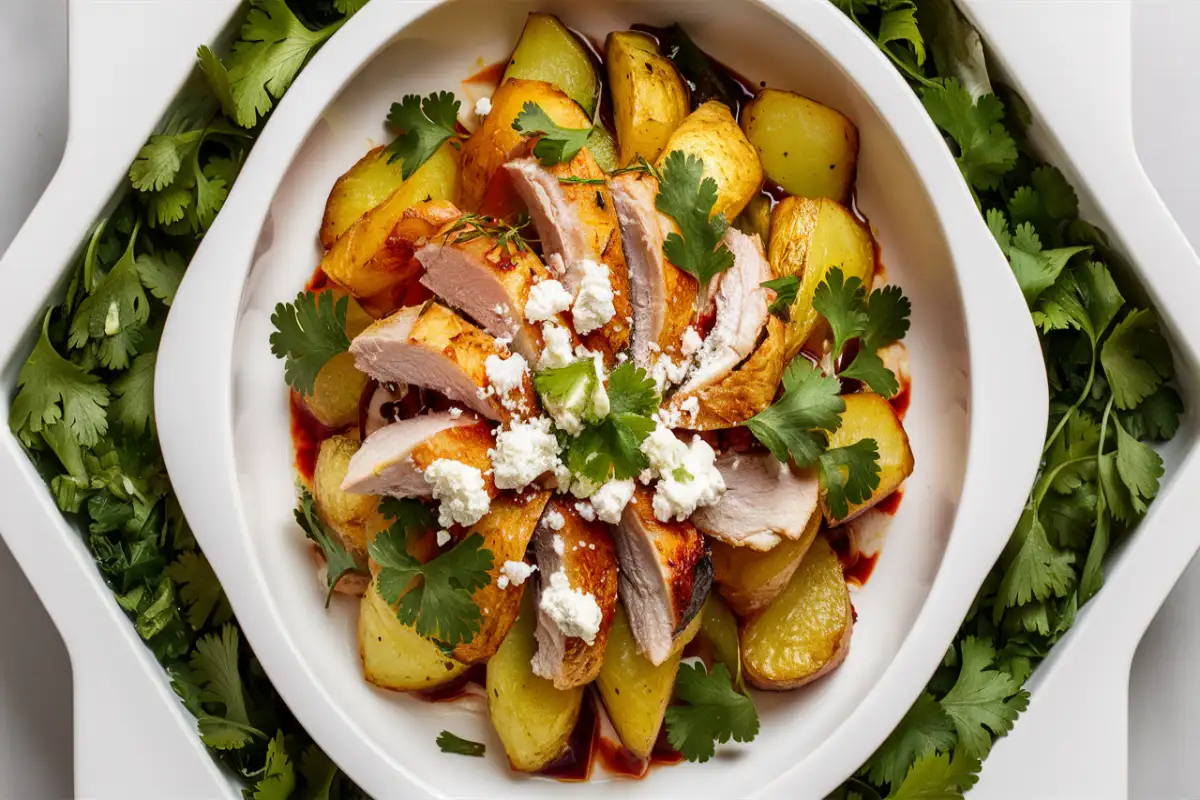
x: 35, y: 675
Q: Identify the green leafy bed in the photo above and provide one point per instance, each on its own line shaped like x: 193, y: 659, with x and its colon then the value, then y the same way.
x: 84, y: 407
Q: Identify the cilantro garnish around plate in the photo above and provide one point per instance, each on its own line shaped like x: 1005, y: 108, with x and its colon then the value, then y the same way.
x: 876, y: 321
x: 611, y: 448
x: 426, y: 125
x: 685, y: 195
x: 556, y: 145
x: 338, y: 562
x: 448, y: 742
x: 309, y: 332
x: 786, y: 289
x: 796, y: 427
x: 711, y: 711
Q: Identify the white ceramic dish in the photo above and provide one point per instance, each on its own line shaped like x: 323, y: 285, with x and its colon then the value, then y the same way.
x: 976, y: 420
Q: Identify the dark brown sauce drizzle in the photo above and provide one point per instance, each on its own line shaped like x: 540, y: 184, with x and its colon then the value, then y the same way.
x: 456, y: 689
x: 586, y: 748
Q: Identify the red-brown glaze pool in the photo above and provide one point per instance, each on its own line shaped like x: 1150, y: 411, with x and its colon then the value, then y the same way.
x: 586, y: 748
x: 307, y: 435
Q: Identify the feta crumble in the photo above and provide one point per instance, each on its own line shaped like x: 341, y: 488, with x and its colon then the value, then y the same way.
x: 455, y: 413
x: 586, y: 510
x: 546, y: 301
x: 611, y: 498
x: 514, y: 573
x: 524, y: 452
x: 559, y: 545
x: 691, y: 343
x: 695, y: 482
x: 594, y: 304
x: 554, y: 521
x: 506, y: 374
x: 483, y: 106
x: 460, y: 490
x: 557, y: 351
x: 443, y: 537
x: 576, y: 613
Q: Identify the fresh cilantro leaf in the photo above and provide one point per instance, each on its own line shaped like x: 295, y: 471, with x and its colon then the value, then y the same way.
x: 349, y: 7
x: 795, y: 426
x: 214, y: 663
x: 557, y: 144
x: 631, y: 391
x: 116, y: 306
x: 447, y: 742
x: 308, y: 333
x: 712, y: 711
x: 425, y: 124
x: 1156, y: 417
x: 1093, y: 568
x: 924, y: 729
x: 614, y: 444
x: 868, y: 367
x: 440, y: 607
x: 1071, y: 460
x: 225, y: 734
x: 986, y: 151
x: 338, y: 562
x: 318, y: 772
x: 170, y: 206
x: 1113, y: 490
x: 841, y: 303
x: 160, y: 159
x: 278, y: 780
x: 983, y: 699
x: 1033, y: 568
x: 161, y: 273
x: 1136, y: 359
x: 133, y: 395
x: 412, y: 516
x: 688, y: 197
x: 786, y: 290
x: 211, y: 192
x: 1070, y: 518
x: 887, y: 317
x: 848, y: 475
x: 51, y: 389
x: 568, y: 393
x: 1037, y: 271
x: 200, y: 590
x: 998, y: 224
x: 1139, y: 468
x: 1057, y: 196
x: 218, y: 79
x: 1026, y: 238
x: 935, y: 777
x: 274, y: 44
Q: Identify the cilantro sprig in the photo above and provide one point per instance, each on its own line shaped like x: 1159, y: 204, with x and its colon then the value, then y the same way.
x: 711, y: 711
x: 556, y: 144
x: 309, y: 332
x: 875, y: 321
x: 448, y: 742
x: 610, y: 446
x: 685, y: 195
x: 338, y: 561
x: 425, y: 125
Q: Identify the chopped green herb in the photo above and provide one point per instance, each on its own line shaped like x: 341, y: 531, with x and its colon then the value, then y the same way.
x: 425, y: 125
x: 556, y: 145
x: 447, y: 742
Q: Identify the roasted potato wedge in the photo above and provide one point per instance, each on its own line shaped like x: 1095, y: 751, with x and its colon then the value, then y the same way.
x: 650, y: 99
x: 495, y: 143
x: 506, y: 531
x: 548, y: 51
x: 807, y: 148
x: 533, y: 719
x: 755, y: 220
x: 634, y: 691
x: 394, y: 655
x: 339, y: 386
x: 355, y: 518
x: 869, y: 416
x: 805, y: 632
x: 749, y: 580
x: 808, y: 238
x: 712, y: 134
x: 373, y: 180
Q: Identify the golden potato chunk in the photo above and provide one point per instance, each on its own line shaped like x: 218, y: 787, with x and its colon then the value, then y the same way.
x: 650, y: 99
x: 394, y: 655
x: 711, y: 134
x: 807, y: 148
x: 355, y: 518
x: 548, y: 51
x: 749, y: 579
x: 805, y: 633
x: 869, y: 416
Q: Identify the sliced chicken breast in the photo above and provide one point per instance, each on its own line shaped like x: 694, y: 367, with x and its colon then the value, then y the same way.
x: 764, y: 502
x: 487, y: 280
x: 740, y: 304
x: 577, y: 223
x: 666, y: 574
x: 432, y: 347
x: 585, y: 551
x: 663, y: 296
x: 391, y: 460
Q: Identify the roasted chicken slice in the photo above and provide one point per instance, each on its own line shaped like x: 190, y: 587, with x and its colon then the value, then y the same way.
x: 506, y: 531
x: 391, y: 461
x: 432, y: 347
x: 468, y: 268
x: 663, y: 296
x: 585, y: 552
x: 572, y: 209
x: 740, y: 306
x: 666, y: 573
x: 764, y: 502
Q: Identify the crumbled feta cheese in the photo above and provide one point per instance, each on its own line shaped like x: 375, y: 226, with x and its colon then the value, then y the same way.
x: 483, y: 106
x: 514, y: 573
x: 575, y: 613
x: 506, y: 374
x: 524, y: 452
x: 594, y: 304
x: 455, y: 413
x: 562, y: 478
x: 554, y: 520
x: 502, y: 343
x: 664, y: 450
x: 668, y: 372
x: 460, y: 489
x: 622, y: 357
x: 546, y: 301
x: 443, y: 536
x: 557, y: 542
x: 557, y: 352
x: 611, y: 498
x: 691, y: 343
x: 586, y: 510
x: 694, y: 483
x: 690, y: 407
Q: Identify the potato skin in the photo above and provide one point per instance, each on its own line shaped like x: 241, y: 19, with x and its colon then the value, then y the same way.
x: 650, y: 99
x: 749, y: 580
x: 712, y: 134
x: 394, y: 655
x: 805, y: 633
x: 869, y: 416
x: 495, y: 142
x: 533, y: 719
x: 807, y: 148
x: 355, y: 518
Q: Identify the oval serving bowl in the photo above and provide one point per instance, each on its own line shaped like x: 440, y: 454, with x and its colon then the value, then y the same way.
x: 976, y: 420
